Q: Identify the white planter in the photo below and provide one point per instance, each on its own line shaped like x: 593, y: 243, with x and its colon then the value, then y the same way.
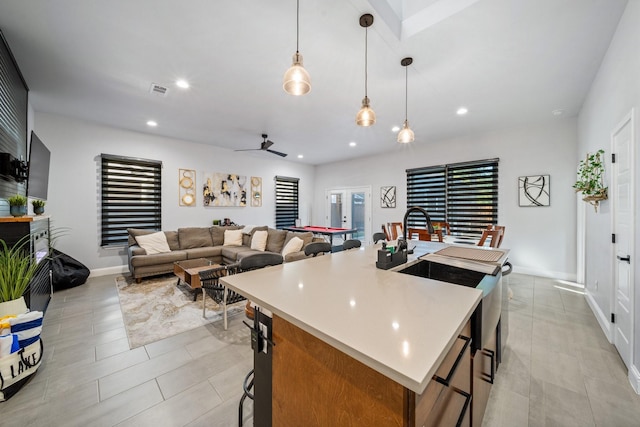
x: 16, y: 306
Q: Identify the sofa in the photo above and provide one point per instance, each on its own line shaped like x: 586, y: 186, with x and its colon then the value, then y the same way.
x: 221, y: 244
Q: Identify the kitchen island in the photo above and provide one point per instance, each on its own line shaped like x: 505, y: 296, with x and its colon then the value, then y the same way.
x: 354, y: 344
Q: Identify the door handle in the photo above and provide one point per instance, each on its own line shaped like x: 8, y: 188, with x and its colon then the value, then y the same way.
x: 627, y: 258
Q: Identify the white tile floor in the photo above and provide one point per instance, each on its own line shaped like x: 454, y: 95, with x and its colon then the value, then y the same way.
x: 558, y: 369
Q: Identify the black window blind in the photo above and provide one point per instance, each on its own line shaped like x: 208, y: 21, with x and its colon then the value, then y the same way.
x: 463, y: 194
x: 286, y: 201
x: 131, y: 197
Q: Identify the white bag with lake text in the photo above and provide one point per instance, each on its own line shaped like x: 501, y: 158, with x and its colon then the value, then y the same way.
x: 18, y: 367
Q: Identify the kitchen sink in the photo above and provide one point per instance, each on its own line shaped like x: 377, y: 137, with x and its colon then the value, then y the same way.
x: 486, y: 316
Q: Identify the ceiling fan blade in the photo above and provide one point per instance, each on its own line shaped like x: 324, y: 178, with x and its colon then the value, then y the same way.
x: 266, y: 144
x: 277, y: 152
x: 250, y: 149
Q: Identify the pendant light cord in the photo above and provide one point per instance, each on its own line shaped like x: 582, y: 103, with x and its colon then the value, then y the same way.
x: 366, y: 29
x: 406, y: 91
x: 297, y: 26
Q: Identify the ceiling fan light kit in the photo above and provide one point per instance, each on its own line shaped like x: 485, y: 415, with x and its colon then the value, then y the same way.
x: 366, y: 116
x: 296, y: 80
x: 406, y: 135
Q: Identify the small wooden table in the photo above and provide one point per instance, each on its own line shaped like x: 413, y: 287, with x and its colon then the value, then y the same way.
x: 187, y: 271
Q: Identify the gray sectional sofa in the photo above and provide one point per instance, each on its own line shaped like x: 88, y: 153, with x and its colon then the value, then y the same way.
x: 206, y: 242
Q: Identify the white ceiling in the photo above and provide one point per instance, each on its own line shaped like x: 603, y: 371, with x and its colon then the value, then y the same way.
x: 509, y: 62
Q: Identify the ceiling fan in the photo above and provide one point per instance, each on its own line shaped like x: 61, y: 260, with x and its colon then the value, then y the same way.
x: 264, y: 146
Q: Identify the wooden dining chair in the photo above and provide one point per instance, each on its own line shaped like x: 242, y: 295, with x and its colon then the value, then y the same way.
x: 424, y: 235
x: 394, y: 230
x: 494, y: 237
x: 502, y: 229
x: 444, y: 226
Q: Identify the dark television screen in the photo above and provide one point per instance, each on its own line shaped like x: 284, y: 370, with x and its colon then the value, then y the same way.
x: 38, y: 181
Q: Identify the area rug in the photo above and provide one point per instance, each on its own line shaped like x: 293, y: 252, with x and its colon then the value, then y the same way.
x: 156, y: 308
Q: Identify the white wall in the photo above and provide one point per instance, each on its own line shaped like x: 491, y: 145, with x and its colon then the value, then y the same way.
x: 542, y: 240
x: 614, y: 92
x: 74, y: 184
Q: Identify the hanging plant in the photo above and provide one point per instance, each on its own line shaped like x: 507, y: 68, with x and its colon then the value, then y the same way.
x: 591, y: 179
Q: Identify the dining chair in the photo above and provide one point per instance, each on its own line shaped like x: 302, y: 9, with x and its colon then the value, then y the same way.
x: 317, y: 248
x: 444, y: 226
x: 424, y: 235
x: 494, y: 237
x: 394, y: 230
x: 379, y: 236
x: 502, y: 230
x: 351, y: 244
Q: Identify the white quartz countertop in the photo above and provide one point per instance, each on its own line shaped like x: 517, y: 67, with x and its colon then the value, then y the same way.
x: 400, y: 325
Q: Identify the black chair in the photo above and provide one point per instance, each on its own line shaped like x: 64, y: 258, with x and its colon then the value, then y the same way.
x: 247, y: 263
x: 351, y: 244
x: 317, y: 248
x: 379, y: 236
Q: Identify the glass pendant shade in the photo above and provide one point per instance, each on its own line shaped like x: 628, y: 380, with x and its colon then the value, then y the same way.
x: 366, y: 116
x: 296, y: 80
x: 406, y: 134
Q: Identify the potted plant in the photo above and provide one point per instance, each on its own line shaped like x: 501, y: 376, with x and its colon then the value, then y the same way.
x: 591, y: 179
x: 17, y: 268
x: 38, y: 206
x: 17, y: 205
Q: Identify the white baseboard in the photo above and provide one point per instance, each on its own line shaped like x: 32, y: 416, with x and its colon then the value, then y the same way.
x: 634, y: 378
x: 602, y: 318
x: 571, y: 277
x: 119, y: 269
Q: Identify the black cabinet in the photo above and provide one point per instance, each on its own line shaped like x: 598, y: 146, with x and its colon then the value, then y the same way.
x: 36, y: 230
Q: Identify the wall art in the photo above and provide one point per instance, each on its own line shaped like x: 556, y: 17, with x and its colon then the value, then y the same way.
x: 224, y: 189
x: 534, y: 190
x: 187, y: 187
x: 388, y: 197
x: 256, y: 191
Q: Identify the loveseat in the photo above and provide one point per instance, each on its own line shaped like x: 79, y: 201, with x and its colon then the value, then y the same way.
x: 221, y: 244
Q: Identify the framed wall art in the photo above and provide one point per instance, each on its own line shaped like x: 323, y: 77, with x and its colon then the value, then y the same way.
x: 534, y: 190
x: 224, y: 189
x: 186, y: 187
x: 256, y: 191
x: 388, y: 197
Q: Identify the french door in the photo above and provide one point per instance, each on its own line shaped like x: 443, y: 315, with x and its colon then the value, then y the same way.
x: 350, y: 208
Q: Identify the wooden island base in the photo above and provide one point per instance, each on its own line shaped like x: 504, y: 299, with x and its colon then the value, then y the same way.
x: 315, y: 384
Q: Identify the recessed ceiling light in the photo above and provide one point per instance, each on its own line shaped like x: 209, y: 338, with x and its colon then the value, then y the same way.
x: 182, y: 83
x: 462, y: 111
x: 300, y: 156
x: 395, y: 129
x: 152, y: 123
x: 558, y: 112
x: 352, y: 144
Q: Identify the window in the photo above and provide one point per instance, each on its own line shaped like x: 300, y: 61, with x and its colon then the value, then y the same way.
x: 286, y: 201
x: 131, y: 197
x: 463, y: 194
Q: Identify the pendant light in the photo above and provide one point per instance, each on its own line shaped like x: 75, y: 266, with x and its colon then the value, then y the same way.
x: 366, y: 116
x: 296, y: 80
x: 406, y: 134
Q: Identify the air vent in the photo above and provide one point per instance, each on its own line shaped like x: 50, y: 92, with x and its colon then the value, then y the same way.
x: 156, y: 89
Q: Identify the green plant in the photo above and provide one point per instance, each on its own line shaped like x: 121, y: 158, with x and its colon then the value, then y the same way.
x: 38, y: 203
x: 16, y: 269
x: 591, y: 179
x: 17, y: 200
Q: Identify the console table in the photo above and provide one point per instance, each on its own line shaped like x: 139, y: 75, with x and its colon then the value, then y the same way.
x: 13, y: 230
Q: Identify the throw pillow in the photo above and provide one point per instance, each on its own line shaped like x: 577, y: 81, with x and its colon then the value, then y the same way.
x: 294, y: 245
x: 154, y: 243
x: 232, y: 238
x: 259, y: 240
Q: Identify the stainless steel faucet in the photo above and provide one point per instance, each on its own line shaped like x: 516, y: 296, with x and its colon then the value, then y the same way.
x: 406, y: 216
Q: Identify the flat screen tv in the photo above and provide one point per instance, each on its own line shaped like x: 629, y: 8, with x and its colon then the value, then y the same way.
x: 38, y: 180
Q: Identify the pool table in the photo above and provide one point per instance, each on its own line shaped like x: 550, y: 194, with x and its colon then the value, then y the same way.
x: 326, y: 231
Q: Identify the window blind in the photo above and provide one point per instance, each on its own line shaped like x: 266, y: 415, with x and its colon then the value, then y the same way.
x: 131, y: 197
x: 463, y: 194
x: 286, y: 201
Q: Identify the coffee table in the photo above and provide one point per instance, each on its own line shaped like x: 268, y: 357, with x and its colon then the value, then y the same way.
x: 187, y: 272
